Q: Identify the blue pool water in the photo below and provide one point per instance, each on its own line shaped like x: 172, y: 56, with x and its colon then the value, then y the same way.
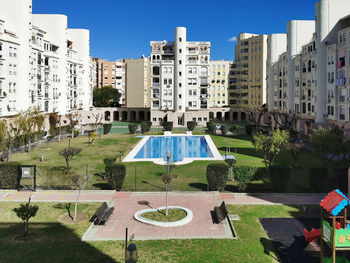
x: 180, y: 147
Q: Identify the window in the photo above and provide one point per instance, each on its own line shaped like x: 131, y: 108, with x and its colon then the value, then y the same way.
x: 180, y: 50
x: 180, y: 74
x: 179, y: 96
x: 180, y: 39
x: 165, y: 81
x: 180, y: 62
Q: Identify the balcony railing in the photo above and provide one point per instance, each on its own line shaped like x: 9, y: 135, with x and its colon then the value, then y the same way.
x: 340, y: 81
x: 155, y: 85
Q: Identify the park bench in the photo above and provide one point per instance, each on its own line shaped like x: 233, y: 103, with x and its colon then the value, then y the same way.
x: 102, y: 214
x: 221, y: 214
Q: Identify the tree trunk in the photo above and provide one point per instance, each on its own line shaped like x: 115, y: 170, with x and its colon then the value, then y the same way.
x: 26, y: 227
x: 67, y: 162
x: 29, y: 144
x: 76, y: 206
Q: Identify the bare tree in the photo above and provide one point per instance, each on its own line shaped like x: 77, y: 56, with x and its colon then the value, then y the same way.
x: 74, y: 119
x: 79, y: 181
x: 255, y: 114
x: 285, y: 120
x: 68, y: 154
x: 98, y: 120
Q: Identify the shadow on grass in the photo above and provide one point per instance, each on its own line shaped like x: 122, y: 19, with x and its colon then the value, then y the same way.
x: 244, y: 151
x: 200, y: 186
x: 155, y: 186
x: 102, y: 186
x: 53, y: 243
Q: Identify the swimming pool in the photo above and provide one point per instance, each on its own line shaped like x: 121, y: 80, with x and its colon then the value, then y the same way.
x: 183, y: 149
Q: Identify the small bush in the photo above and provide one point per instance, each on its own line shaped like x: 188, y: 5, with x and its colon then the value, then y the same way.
x: 115, y: 175
x: 146, y: 126
x: 9, y: 176
x: 92, y: 136
x: 132, y: 128
x: 235, y: 128
x: 210, y: 125
x: 244, y: 175
x: 167, y: 125
x: 217, y: 176
x: 279, y: 178
x: 76, y: 132
x: 319, y: 180
x: 107, y: 128
x: 191, y: 125
x: 224, y: 129
x: 109, y: 161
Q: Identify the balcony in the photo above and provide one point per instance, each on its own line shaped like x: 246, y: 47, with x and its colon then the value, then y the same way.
x: 204, y: 96
x: 342, y: 117
x: 155, y: 85
x: 341, y: 98
x: 168, y: 62
x: 204, y: 82
x: 155, y: 96
x: 340, y: 81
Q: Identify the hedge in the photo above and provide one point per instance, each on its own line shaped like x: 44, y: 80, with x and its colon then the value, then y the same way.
x: 235, y: 128
x: 115, y: 175
x: 132, y: 128
x: 9, y: 176
x: 107, y: 128
x: 167, y: 125
x: 146, y: 126
x: 210, y: 125
x: 224, y: 129
x: 191, y: 125
x: 244, y: 175
x: 217, y: 176
x: 319, y: 180
x: 249, y: 129
x: 279, y: 178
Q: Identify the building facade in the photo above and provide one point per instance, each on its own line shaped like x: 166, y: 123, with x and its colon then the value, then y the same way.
x: 248, y: 86
x: 43, y: 63
x: 219, y: 82
x: 317, y: 55
x: 179, y: 79
x: 138, y: 83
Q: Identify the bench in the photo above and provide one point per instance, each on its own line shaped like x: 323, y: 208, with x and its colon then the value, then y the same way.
x: 102, y: 214
x: 220, y: 212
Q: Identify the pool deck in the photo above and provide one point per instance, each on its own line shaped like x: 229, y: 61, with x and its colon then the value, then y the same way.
x: 131, y: 156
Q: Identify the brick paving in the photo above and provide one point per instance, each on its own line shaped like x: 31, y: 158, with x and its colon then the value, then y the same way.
x: 126, y: 206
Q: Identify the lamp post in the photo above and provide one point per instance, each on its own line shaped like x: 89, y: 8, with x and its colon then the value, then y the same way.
x: 168, y: 155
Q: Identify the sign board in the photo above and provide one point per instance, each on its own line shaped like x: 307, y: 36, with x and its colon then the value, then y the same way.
x: 26, y: 172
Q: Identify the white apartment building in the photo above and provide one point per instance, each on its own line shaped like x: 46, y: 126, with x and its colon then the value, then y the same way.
x: 219, y: 81
x: 42, y: 62
x: 317, y: 55
x: 179, y: 79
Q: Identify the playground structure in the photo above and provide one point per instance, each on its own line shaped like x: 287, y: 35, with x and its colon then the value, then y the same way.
x: 335, y: 228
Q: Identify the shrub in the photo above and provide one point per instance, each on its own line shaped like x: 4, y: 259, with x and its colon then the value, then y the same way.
x: 76, y: 132
x: 244, y: 175
x: 224, y: 129
x: 115, y: 175
x: 146, y: 126
x: 92, y: 136
x: 167, y: 125
x: 235, y: 128
x: 191, y: 125
x: 279, y: 178
x: 68, y: 154
x: 107, y: 128
x: 319, y: 180
x: 9, y: 176
x: 217, y: 176
x: 210, y: 125
x: 249, y: 129
x: 132, y: 128
x: 109, y: 161
x: 53, y: 124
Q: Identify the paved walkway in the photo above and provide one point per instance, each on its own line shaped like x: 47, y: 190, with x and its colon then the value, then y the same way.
x: 107, y: 195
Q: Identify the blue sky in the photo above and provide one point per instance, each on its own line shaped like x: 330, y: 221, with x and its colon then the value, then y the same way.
x: 124, y: 28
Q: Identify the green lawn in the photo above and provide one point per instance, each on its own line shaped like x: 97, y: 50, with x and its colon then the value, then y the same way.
x: 191, y: 177
x: 58, y: 242
x: 160, y: 215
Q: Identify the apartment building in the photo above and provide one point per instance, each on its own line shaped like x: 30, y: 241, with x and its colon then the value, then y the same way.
x: 219, y: 82
x: 317, y: 55
x: 42, y: 62
x: 179, y: 79
x: 138, y: 83
x: 108, y: 73
x: 248, y: 76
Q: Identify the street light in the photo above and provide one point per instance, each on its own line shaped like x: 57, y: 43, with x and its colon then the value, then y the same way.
x: 131, y: 254
x: 168, y: 155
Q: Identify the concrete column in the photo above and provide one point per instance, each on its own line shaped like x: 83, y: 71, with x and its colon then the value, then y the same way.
x: 239, y: 116
x: 128, y: 116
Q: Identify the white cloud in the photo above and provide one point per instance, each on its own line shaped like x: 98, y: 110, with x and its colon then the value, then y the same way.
x: 232, y: 39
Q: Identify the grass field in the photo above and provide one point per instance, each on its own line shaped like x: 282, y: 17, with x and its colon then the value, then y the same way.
x: 191, y: 177
x: 58, y: 243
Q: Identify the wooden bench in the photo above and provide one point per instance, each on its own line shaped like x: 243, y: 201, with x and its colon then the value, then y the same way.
x: 102, y: 214
x: 220, y: 212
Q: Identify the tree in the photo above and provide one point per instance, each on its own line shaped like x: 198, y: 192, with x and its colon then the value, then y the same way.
x: 295, y: 148
x: 166, y: 179
x: 235, y: 128
x: 25, y: 212
x: 68, y: 154
x: 255, y: 114
x: 38, y: 121
x: 271, y: 145
x: 327, y: 143
x: 53, y: 124
x: 98, y: 121
x: 106, y: 97
x: 217, y: 176
x: 285, y: 120
x: 79, y: 182
x: 74, y: 119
